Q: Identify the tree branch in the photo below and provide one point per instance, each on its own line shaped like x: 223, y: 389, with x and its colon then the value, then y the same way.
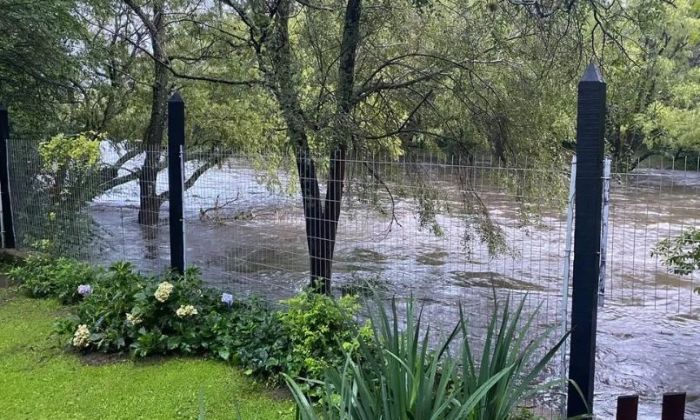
x: 164, y: 196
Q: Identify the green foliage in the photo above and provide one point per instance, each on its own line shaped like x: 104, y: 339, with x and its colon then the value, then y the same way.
x: 379, y: 369
x: 320, y: 330
x: 501, y: 83
x: 69, y: 156
x: 61, y: 175
x: 510, y: 344
x: 309, y: 333
x: 653, y: 81
x: 143, y: 315
x: 41, y: 276
x: 172, y: 314
x: 36, y: 63
x: 68, y: 168
x: 406, y: 377
x: 260, y: 342
x: 681, y: 254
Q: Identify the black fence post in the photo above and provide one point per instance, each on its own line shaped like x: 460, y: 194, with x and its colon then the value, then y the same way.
x: 589, y: 183
x: 627, y: 407
x: 673, y: 406
x: 176, y: 163
x: 7, y: 222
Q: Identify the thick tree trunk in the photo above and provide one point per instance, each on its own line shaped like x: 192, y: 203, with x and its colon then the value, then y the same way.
x: 316, y: 229
x: 343, y: 135
x: 321, y: 216
x: 149, y: 202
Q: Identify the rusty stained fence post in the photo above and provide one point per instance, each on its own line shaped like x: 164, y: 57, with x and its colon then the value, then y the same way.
x: 627, y: 407
x: 673, y: 407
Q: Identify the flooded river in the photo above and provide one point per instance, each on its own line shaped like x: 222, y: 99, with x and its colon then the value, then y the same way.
x: 248, y: 239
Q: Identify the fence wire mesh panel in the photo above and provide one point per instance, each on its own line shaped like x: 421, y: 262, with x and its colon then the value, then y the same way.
x: 427, y: 228
x: 447, y: 231
x: 647, y: 330
x: 70, y: 199
x: 657, y: 201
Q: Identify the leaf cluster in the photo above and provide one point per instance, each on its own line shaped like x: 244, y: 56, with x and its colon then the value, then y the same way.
x: 40, y: 276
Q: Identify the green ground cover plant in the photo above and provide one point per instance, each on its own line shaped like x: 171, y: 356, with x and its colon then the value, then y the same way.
x: 42, y: 276
x: 118, y: 310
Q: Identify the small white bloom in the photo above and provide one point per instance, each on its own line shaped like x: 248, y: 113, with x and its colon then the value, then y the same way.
x: 186, y: 310
x: 132, y: 319
x: 81, y: 338
x: 163, y: 292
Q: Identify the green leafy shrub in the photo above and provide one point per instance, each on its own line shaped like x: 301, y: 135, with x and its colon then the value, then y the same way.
x: 147, y: 315
x: 682, y: 253
x: 321, y: 331
x: 53, y: 205
x: 42, y: 277
x: 406, y: 377
x: 260, y: 341
x: 104, y: 311
x: 122, y: 310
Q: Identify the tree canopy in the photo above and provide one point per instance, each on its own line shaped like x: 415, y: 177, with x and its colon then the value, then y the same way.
x: 315, y: 81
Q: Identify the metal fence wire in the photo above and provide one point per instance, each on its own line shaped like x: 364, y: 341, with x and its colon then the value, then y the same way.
x: 448, y: 231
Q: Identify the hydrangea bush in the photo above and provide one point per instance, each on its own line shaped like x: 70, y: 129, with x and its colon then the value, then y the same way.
x: 62, y: 278
x: 123, y: 311
x: 126, y: 311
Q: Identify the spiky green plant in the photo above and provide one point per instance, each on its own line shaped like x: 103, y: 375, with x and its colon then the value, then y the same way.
x: 399, y: 375
x: 510, y: 343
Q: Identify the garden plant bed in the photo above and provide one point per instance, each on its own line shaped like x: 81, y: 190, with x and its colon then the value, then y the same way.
x: 41, y: 380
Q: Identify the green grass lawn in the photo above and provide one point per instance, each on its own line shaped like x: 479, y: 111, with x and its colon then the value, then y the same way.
x: 40, y: 380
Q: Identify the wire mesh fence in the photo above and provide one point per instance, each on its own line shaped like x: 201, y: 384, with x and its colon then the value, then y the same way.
x: 90, y: 211
x: 656, y: 201
x: 448, y: 231
x: 647, y: 331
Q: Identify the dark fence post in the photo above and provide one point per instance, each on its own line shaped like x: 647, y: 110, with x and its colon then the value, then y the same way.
x: 589, y: 183
x: 673, y: 406
x: 7, y: 222
x: 627, y: 407
x: 176, y: 163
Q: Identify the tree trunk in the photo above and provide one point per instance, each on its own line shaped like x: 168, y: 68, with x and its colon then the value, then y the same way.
x: 321, y: 216
x: 149, y: 202
x: 343, y: 135
x: 316, y: 225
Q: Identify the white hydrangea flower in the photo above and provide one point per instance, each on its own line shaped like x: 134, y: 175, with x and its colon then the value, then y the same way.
x: 132, y: 319
x: 81, y: 338
x: 186, y: 310
x: 163, y: 292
